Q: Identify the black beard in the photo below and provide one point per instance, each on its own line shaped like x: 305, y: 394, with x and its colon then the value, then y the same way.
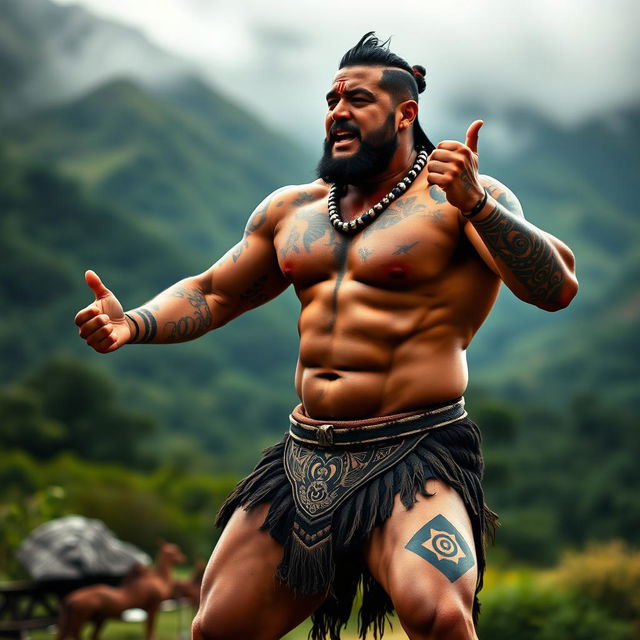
x: 372, y: 158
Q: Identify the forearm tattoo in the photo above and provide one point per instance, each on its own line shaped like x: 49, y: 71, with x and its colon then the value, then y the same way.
x: 525, y: 251
x: 192, y: 325
x: 147, y: 321
x: 184, y: 328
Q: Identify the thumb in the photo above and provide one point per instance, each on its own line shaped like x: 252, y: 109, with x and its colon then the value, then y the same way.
x: 472, y: 135
x: 94, y: 282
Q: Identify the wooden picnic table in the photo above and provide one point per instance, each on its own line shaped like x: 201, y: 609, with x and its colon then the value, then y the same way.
x: 29, y: 605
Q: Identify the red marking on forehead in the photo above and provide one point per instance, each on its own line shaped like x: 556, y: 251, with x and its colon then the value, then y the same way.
x: 341, y: 86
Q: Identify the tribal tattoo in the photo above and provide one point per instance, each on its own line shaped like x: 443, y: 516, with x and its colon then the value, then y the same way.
x: 302, y: 198
x: 257, y: 219
x: 291, y: 245
x: 404, y: 249
x: 341, y: 256
x: 443, y: 546
x: 364, y: 253
x: 189, y: 326
x: 255, y: 294
x: 402, y: 209
x: 317, y: 227
x: 148, y: 322
x: 524, y: 250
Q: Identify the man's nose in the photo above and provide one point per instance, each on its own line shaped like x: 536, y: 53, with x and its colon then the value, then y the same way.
x: 341, y: 111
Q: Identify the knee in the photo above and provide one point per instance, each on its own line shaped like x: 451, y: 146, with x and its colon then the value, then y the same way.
x: 447, y: 618
x: 208, y: 625
x: 206, y: 628
x: 217, y: 621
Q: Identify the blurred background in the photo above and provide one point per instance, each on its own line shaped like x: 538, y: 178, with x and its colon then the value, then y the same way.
x: 136, y: 138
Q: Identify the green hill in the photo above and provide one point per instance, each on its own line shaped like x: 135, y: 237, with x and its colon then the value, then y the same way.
x: 588, y: 204
x: 186, y: 161
x: 50, y: 231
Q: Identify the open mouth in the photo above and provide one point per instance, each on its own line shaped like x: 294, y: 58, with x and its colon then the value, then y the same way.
x: 342, y: 138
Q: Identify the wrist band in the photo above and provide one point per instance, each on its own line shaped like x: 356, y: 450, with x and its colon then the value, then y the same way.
x: 478, y: 207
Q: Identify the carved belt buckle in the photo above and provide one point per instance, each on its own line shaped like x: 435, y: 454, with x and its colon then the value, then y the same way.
x: 325, y: 435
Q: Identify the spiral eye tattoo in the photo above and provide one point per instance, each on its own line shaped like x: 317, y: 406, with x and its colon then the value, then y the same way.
x: 443, y: 546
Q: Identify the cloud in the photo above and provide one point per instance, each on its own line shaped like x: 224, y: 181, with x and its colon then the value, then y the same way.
x: 569, y: 60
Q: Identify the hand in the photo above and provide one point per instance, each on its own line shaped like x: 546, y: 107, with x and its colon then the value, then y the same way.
x: 453, y: 166
x: 102, y: 324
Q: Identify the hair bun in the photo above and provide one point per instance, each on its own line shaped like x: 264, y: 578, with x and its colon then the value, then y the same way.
x: 419, y: 73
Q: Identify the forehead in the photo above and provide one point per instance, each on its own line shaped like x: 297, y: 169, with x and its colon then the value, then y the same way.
x: 350, y: 77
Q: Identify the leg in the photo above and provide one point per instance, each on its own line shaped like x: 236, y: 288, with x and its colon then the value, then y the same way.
x: 431, y: 584
x: 241, y: 597
x: 150, y: 623
x: 98, y: 624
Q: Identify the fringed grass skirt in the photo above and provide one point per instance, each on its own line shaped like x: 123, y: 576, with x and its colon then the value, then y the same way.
x: 329, y: 486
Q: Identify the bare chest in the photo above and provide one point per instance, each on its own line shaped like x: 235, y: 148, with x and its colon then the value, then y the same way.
x: 415, y: 240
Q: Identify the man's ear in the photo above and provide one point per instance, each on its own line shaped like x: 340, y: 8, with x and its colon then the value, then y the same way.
x: 408, y: 113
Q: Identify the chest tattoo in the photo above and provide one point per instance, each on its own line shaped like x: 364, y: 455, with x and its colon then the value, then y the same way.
x: 401, y: 210
x: 404, y: 249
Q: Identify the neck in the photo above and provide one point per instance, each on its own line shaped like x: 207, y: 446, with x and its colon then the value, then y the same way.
x: 164, y: 568
x: 366, y: 193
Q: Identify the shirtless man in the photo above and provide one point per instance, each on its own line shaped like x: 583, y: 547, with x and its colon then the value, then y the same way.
x: 384, y: 464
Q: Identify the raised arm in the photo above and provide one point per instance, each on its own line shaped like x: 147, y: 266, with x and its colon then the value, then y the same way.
x: 536, y: 266
x: 247, y: 276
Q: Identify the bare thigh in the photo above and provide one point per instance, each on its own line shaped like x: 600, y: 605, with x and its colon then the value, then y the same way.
x: 241, y: 596
x: 432, y: 583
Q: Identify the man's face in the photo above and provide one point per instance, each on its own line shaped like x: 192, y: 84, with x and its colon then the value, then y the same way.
x: 360, y: 127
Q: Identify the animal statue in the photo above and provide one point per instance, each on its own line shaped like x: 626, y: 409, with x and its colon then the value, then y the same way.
x: 189, y: 589
x: 144, y: 588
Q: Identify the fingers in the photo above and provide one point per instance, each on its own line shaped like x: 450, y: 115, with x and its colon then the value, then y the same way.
x: 94, y: 282
x: 93, y: 325
x: 97, y: 330
x: 472, y: 135
x: 86, y: 314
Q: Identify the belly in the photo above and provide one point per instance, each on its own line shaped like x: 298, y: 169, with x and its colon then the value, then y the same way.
x: 414, y: 379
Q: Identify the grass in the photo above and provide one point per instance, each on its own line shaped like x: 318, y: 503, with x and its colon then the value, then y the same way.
x: 176, y: 624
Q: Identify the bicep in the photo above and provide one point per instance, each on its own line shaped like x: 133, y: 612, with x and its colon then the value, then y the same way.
x: 248, y: 275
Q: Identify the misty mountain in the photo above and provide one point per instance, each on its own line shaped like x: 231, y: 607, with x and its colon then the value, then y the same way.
x: 185, y: 159
x: 51, y: 53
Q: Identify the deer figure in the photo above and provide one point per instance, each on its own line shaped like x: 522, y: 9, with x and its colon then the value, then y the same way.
x: 144, y: 588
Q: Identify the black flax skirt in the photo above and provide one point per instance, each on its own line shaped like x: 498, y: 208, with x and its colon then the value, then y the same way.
x: 330, y: 485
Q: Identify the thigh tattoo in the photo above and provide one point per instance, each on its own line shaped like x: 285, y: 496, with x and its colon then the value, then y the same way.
x: 442, y: 545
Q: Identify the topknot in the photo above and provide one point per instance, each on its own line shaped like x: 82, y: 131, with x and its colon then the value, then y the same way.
x: 419, y: 73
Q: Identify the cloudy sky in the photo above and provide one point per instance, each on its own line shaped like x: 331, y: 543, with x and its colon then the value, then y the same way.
x: 570, y: 59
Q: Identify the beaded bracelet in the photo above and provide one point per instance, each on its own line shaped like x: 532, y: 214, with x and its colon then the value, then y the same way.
x: 478, y: 207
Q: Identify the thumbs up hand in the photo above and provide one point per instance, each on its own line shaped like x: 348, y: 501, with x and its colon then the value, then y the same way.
x: 102, y: 324
x: 453, y: 166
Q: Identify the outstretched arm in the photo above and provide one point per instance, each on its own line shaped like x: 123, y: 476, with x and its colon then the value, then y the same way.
x: 246, y: 277
x: 536, y: 266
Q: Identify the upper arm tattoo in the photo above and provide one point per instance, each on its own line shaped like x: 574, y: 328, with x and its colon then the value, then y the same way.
x: 257, y: 219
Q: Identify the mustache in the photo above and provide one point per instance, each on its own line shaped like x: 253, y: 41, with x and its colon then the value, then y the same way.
x: 343, y: 125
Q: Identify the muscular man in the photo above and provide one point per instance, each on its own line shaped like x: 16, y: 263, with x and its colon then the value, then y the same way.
x: 396, y: 260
